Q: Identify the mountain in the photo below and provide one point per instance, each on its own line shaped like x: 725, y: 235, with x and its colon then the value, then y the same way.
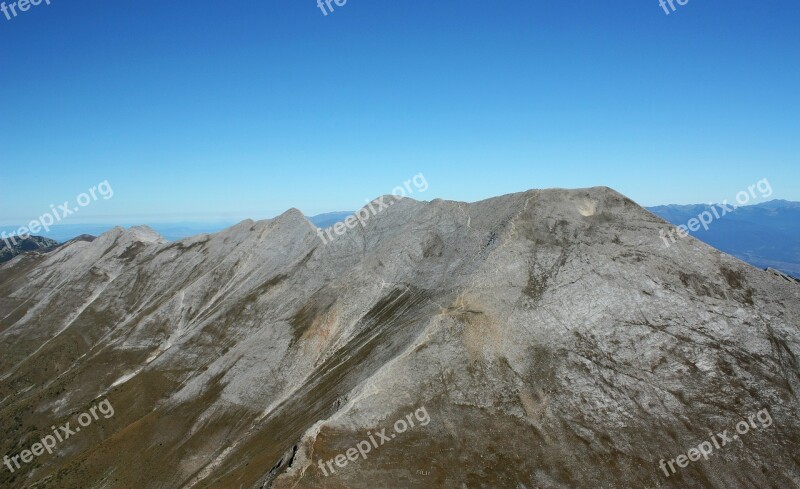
x: 171, y: 231
x: 765, y: 235
x: 541, y: 339
x: 11, y: 247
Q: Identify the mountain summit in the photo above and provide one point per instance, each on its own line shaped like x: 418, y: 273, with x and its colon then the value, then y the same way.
x: 548, y: 336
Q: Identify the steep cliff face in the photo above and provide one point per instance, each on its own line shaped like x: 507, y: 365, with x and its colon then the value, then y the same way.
x: 540, y: 339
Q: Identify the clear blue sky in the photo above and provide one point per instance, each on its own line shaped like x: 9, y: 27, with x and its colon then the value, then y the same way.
x: 199, y: 110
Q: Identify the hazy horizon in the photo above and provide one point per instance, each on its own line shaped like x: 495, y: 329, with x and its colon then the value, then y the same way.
x: 178, y: 229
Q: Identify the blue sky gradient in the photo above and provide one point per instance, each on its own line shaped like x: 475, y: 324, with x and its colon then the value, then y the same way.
x: 216, y: 110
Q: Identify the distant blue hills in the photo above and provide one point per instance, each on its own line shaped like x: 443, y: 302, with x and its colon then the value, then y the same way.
x: 327, y: 220
x: 766, y: 235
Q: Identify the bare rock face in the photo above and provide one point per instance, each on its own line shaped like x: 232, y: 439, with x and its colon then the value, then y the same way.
x: 546, y: 339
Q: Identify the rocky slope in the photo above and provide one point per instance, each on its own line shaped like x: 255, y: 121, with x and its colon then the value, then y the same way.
x: 550, y: 338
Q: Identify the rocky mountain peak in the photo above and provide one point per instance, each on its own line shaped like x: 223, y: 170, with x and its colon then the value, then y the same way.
x: 549, y: 335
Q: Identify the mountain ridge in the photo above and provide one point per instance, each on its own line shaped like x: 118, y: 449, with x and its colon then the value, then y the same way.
x: 16, y: 245
x: 553, y: 319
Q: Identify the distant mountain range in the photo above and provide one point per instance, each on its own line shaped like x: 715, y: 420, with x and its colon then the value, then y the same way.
x: 36, y: 245
x: 765, y: 235
x: 11, y: 248
x: 327, y: 220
